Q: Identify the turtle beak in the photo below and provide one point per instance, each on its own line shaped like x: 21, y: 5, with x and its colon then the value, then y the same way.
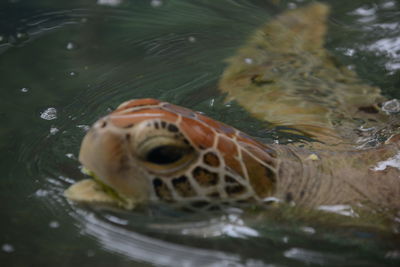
x: 105, y: 152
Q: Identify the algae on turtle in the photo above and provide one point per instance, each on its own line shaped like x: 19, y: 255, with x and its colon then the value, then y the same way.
x: 95, y: 191
x: 148, y: 150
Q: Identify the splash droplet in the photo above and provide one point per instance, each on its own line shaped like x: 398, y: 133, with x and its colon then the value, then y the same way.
x: 349, y: 52
x: 212, y: 102
x: 41, y: 193
x: 84, y: 127
x: 70, y: 156
x: 71, y: 46
x: 109, y: 2
x: 54, y: 130
x: 54, y: 224
x: 248, y: 60
x: 73, y: 73
x: 7, y: 248
x: 18, y: 38
x: 156, y: 3
x: 49, y: 114
x: 192, y: 39
x: 22, y: 35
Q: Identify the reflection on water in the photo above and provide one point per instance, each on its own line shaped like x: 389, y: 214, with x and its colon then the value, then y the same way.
x: 143, y: 248
x: 63, y: 66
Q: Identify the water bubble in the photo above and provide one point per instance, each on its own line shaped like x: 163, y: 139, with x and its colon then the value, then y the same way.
x: 308, y: 230
x: 349, y: 52
x: 84, y: 127
x: 70, y: 156
x: 212, y: 101
x: 54, y: 130
x: 24, y: 90
x: 71, y: 46
x: 7, y: 248
x: 41, y: 193
x: 54, y: 224
x: 248, y: 60
x: 18, y: 38
x: 156, y: 3
x: 22, y: 35
x: 73, y: 73
x: 49, y: 114
x: 109, y: 2
x: 192, y: 39
x: 391, y: 106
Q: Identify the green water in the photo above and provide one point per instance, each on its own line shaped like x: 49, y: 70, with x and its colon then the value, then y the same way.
x: 63, y: 65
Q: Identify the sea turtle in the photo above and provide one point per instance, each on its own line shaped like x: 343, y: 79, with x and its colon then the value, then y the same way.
x: 150, y: 150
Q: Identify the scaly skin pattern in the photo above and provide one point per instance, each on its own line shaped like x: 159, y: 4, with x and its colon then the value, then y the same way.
x: 208, y: 161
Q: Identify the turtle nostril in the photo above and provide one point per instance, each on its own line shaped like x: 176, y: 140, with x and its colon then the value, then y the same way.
x: 100, y: 124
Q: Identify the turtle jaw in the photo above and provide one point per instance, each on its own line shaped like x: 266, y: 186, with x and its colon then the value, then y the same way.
x: 105, y: 154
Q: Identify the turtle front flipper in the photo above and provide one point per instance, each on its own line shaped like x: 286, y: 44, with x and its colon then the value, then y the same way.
x: 285, y: 76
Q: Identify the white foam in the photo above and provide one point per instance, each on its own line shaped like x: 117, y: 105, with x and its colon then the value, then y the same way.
x: 344, y: 210
x: 390, y: 162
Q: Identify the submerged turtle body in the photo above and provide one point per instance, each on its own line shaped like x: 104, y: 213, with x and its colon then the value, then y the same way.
x: 148, y: 150
x: 285, y: 76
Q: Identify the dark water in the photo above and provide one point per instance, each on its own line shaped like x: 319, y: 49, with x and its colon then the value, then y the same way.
x: 63, y: 65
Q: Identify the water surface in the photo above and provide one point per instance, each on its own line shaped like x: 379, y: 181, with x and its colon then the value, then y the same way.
x: 63, y: 65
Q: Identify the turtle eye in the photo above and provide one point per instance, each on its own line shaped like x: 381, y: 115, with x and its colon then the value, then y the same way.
x: 161, y: 148
x: 166, y: 154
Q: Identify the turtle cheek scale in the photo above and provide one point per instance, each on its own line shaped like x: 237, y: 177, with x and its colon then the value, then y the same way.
x: 105, y: 153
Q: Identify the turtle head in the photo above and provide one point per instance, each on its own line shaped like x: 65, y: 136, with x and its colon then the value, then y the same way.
x: 137, y: 142
x: 152, y: 150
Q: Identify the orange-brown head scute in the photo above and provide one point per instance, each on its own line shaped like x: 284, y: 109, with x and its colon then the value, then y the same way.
x: 152, y: 150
